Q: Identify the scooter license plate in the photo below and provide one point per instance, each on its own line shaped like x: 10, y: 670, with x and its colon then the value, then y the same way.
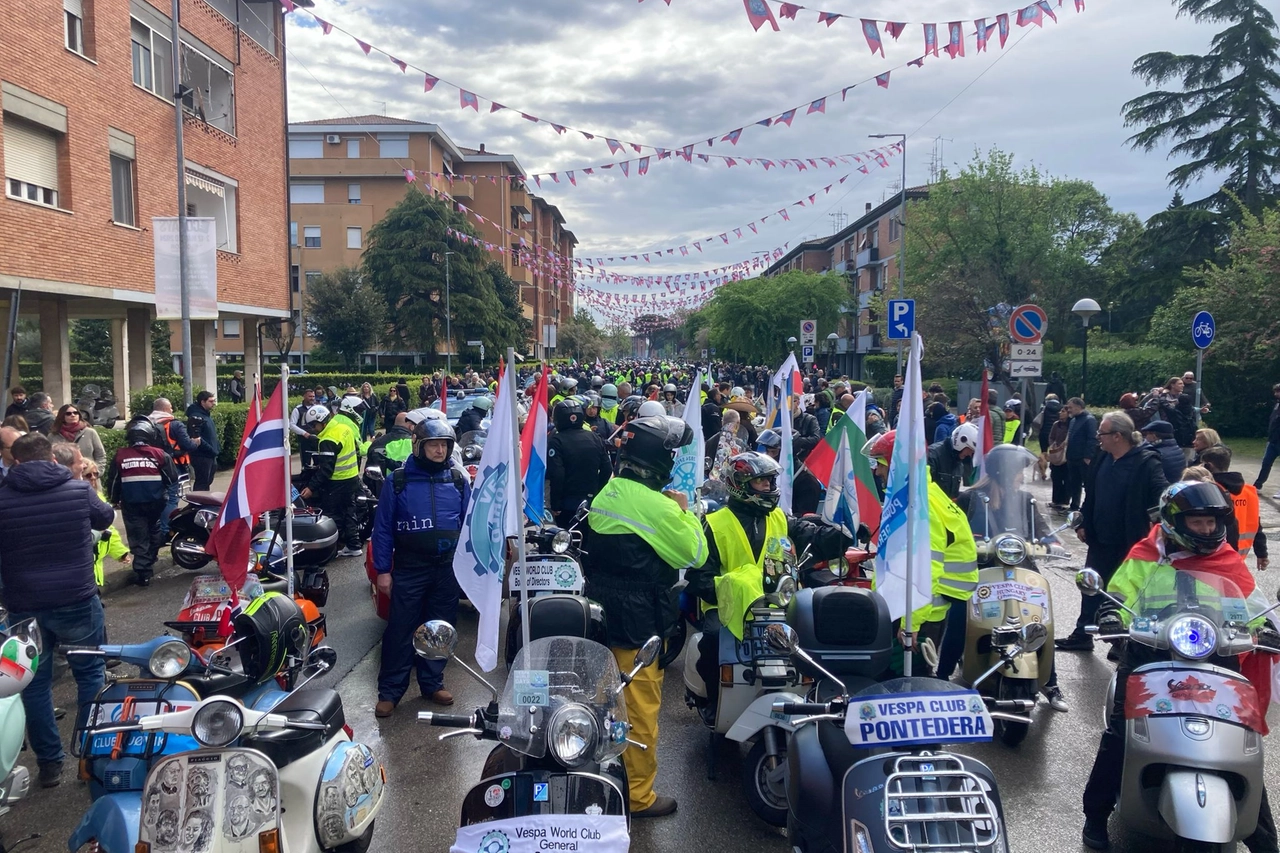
x: 210, y: 798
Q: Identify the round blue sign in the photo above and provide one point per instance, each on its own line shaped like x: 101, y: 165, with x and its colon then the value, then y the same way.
x: 1203, y: 330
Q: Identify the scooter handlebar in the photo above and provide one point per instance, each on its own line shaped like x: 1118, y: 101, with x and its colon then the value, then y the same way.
x: 795, y: 708
x: 452, y: 721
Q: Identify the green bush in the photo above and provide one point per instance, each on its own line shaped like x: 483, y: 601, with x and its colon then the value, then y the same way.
x: 112, y: 440
x: 140, y: 402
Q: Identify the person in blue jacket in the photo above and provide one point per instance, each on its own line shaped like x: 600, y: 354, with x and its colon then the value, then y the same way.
x: 415, y: 532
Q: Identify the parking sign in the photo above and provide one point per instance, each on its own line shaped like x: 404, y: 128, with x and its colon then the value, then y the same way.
x: 902, y: 319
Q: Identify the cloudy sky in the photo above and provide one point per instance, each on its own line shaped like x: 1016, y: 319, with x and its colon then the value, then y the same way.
x: 669, y: 75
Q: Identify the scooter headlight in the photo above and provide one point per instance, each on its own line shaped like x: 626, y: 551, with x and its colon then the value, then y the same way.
x: 1193, y: 637
x: 573, y: 734
x: 1010, y: 550
x: 560, y: 542
x: 170, y: 659
x: 217, y: 724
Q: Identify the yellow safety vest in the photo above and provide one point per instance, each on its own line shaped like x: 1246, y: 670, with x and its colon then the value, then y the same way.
x: 340, y: 431
x: 953, y: 550
x: 741, y: 581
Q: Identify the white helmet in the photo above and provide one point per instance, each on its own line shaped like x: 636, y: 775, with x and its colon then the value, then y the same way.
x: 353, y: 405
x: 965, y: 435
x: 651, y: 407
x: 315, y: 415
x: 20, y: 652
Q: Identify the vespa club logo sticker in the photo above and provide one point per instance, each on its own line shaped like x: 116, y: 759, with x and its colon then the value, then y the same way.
x: 495, y: 841
x: 487, y: 541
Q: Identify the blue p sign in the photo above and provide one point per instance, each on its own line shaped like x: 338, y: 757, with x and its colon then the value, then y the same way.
x: 902, y: 319
x: 1203, y: 330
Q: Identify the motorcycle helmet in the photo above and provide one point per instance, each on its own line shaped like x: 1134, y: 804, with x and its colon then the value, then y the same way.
x: 593, y: 401
x: 1183, y: 500
x: 568, y: 385
x: 353, y: 406
x: 669, y: 388
x: 745, y: 467
x: 964, y: 437
x: 648, y: 446
x: 650, y: 409
x: 609, y: 395
x: 768, y: 439
x: 484, y: 403
x: 19, y: 657
x: 142, y: 431
x: 1006, y: 461
x: 266, y: 553
x: 597, y: 382
x: 433, y: 429
x: 317, y: 414
x: 568, y: 414
x: 880, y: 449
x: 631, y: 406
x: 269, y: 630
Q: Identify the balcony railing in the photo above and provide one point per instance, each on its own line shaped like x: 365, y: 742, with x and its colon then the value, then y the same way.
x: 867, y: 257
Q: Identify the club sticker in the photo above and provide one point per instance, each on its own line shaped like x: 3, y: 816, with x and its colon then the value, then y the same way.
x: 494, y: 796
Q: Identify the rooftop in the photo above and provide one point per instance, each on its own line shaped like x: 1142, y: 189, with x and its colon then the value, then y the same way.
x: 369, y: 119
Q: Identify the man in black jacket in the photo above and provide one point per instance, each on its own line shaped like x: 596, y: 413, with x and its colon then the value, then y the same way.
x: 204, y: 459
x: 1273, y: 442
x: 1159, y: 437
x: 1082, y: 443
x: 1123, y: 483
x: 46, y: 562
x: 578, y: 463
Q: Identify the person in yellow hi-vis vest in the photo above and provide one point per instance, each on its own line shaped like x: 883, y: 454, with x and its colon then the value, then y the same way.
x: 638, y: 538
x: 336, y: 479
x: 751, y: 544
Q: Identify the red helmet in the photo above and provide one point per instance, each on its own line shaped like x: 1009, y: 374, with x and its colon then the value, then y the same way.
x: 880, y: 447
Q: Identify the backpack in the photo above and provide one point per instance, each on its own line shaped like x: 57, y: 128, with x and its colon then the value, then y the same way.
x: 399, y: 479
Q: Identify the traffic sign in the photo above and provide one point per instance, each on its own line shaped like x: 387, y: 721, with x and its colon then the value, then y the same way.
x: 1203, y: 330
x: 1026, y: 352
x: 704, y: 354
x: 1027, y: 324
x: 1029, y: 369
x: 902, y: 319
x: 808, y: 332
x: 806, y: 353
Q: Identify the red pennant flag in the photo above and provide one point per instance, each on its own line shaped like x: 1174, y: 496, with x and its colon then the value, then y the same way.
x: 1079, y: 5
x: 402, y: 65
x: 784, y: 214
x: 752, y: 226
x: 1003, y: 22
x: 916, y: 63
x: 614, y: 146
x: 624, y: 166
x: 818, y: 106
x: 759, y: 14
x: 738, y: 233
x: 642, y: 168
x: 410, y: 176
x: 931, y: 39
x: 845, y: 91
x: 955, y: 45
x: 1031, y: 15
x: 365, y: 47
x: 871, y: 30
x: 639, y: 148
x: 894, y: 28
x: 430, y: 83
x: 785, y: 118
x: 732, y: 136
x: 572, y: 180
x: 729, y: 162
x: 468, y: 99
x: 882, y: 80
x: 495, y: 106
x: 981, y: 34
x: 325, y: 26
x: 788, y: 10
x: 288, y: 5
x: 1044, y: 7
x: 828, y: 18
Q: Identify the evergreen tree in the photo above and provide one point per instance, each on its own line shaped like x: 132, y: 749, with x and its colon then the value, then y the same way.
x: 1226, y: 117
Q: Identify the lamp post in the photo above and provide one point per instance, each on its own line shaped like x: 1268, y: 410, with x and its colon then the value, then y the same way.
x: 791, y: 344
x: 448, y: 323
x: 902, y: 226
x: 831, y: 349
x: 1086, y: 309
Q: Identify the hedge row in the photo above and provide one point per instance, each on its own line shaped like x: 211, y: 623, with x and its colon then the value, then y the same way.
x: 228, y: 418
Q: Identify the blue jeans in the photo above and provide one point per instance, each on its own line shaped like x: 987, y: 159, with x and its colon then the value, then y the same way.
x: 80, y: 624
x: 1268, y: 457
x: 171, y: 503
x: 417, y: 595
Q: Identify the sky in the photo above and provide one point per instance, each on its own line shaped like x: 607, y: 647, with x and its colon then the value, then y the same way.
x: 666, y: 76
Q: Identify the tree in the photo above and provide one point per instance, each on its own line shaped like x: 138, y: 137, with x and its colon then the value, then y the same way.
x: 750, y: 320
x: 91, y: 343
x: 1225, y: 118
x: 345, y: 312
x: 579, y: 337
x: 161, y: 353
x: 991, y: 238
x: 281, y: 333
x: 617, y: 342
x: 519, y: 334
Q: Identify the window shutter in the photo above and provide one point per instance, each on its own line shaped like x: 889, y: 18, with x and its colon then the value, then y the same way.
x: 75, y: 7
x: 30, y: 155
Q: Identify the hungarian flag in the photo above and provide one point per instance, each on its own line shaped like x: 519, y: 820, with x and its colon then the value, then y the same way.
x: 826, y: 457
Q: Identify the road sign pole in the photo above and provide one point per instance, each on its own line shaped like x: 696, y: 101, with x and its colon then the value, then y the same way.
x: 1199, y: 365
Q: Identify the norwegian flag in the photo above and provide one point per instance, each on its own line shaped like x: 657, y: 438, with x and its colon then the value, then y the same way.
x: 257, y: 486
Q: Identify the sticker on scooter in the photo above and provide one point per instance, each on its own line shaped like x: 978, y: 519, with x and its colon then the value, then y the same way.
x: 1193, y: 692
x: 494, y: 795
x: 541, y: 792
x: 908, y: 718
x: 532, y: 687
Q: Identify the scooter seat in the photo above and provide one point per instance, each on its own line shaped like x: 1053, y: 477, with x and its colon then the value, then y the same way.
x: 287, y: 745
x: 206, y: 498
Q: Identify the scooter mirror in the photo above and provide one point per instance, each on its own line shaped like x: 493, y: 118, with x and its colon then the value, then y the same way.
x: 781, y: 637
x: 325, y: 658
x: 1075, y: 519
x: 1034, y: 635
x: 648, y: 652
x: 435, y: 640
x: 1088, y: 581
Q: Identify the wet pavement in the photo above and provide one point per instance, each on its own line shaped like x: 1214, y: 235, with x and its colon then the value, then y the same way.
x: 1040, y: 781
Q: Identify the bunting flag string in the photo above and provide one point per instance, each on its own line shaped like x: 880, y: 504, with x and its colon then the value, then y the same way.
x: 467, y: 99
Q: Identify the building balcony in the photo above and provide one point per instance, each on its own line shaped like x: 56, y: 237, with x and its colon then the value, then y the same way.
x: 867, y: 257
x: 521, y: 275
x: 462, y: 190
x: 343, y: 167
x: 520, y: 200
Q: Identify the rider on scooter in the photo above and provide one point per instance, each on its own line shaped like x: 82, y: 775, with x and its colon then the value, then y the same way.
x: 750, y: 531
x: 1191, y: 536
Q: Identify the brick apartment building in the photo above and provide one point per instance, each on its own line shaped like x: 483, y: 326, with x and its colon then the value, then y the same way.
x: 347, y: 173
x: 87, y: 143
x: 867, y: 252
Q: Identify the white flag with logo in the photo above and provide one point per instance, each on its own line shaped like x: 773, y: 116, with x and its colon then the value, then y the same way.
x: 494, y: 514
x: 690, y: 464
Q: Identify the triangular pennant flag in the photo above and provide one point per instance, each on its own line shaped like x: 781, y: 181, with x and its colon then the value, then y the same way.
x: 882, y: 80
x: 931, y: 39
x: 828, y: 18
x: 732, y: 136
x: 1003, y: 22
x: 325, y: 26
x: 429, y: 83
x: 955, y: 44
x: 818, y: 106
x: 401, y: 64
x: 468, y: 99
x: 871, y: 30
x: 365, y: 47
x: 894, y: 28
x: 786, y: 118
x: 759, y: 14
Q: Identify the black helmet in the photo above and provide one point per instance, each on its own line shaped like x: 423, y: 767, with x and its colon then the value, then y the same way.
x: 568, y: 414
x: 433, y: 429
x: 648, y: 446
x: 631, y: 406
x: 1182, y: 500
x: 141, y: 430
x: 269, y: 629
x: 745, y: 467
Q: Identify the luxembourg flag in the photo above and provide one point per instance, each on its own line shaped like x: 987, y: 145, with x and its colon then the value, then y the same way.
x: 533, y: 452
x: 257, y: 486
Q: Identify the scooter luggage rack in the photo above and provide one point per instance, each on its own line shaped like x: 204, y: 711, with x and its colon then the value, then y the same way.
x: 974, y: 826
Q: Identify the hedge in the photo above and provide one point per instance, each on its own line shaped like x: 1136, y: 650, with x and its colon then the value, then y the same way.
x: 228, y: 418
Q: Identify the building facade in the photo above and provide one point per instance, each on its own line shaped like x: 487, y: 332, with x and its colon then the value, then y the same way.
x: 87, y: 139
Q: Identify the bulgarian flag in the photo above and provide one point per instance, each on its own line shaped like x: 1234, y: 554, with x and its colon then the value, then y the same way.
x: 840, y: 452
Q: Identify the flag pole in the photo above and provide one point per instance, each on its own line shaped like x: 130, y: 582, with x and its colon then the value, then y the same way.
x: 257, y: 395
x: 288, y: 479
x: 908, y: 646
x: 509, y: 387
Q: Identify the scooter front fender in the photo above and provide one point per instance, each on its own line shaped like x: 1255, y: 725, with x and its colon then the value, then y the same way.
x: 759, y: 715
x: 1198, y: 806
x: 112, y: 821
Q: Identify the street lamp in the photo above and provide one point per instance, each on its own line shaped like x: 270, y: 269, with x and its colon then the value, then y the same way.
x: 1086, y: 309
x: 791, y: 344
x: 902, y: 226
x: 831, y: 349
x: 448, y: 323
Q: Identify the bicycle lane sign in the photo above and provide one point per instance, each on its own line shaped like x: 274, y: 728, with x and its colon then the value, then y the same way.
x: 1203, y: 330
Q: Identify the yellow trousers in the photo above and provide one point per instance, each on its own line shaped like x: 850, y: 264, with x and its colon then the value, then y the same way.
x: 644, y: 699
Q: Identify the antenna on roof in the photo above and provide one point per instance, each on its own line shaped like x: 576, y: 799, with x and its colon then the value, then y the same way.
x: 384, y: 106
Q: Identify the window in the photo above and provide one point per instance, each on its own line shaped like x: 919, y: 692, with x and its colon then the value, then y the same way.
x: 353, y: 238
x: 152, y: 60
x: 73, y: 20
x: 306, y: 148
x: 213, y: 195
x: 353, y: 149
x: 895, y: 227
x: 873, y: 235
x: 231, y: 328
x: 212, y: 90
x: 353, y: 193
x: 30, y: 162
x: 293, y: 233
x: 312, y: 275
x: 311, y: 237
x: 306, y: 193
x: 447, y: 162
x: 392, y: 145
x: 122, y: 197
x: 294, y: 275
x: 258, y: 20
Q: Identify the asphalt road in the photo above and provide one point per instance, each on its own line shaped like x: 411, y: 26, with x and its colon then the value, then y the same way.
x: 1040, y: 781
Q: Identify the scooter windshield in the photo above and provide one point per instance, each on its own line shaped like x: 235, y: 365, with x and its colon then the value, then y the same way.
x: 915, y: 711
x: 564, y: 694
x: 1196, y: 614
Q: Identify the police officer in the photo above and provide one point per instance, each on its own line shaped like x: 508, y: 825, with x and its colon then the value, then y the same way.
x: 420, y: 513
x: 639, y: 537
x: 578, y: 463
x: 337, y: 473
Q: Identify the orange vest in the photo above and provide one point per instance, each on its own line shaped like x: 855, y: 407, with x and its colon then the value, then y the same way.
x: 180, y: 456
x: 1246, y: 504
